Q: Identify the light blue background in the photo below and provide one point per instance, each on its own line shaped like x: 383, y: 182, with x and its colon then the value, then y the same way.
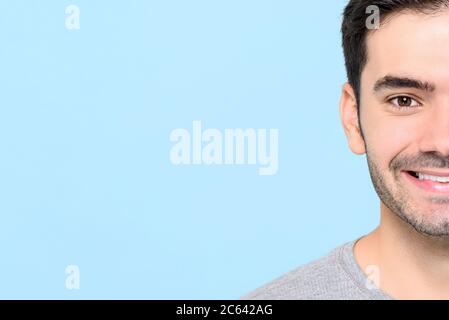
x: 85, y: 118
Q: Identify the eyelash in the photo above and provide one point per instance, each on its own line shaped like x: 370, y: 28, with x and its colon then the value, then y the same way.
x: 402, y: 108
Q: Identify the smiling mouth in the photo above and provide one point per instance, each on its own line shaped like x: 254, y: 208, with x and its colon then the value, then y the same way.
x: 429, y: 177
x: 435, y: 182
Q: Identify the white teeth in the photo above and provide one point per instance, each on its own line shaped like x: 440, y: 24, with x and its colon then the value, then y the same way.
x: 422, y: 176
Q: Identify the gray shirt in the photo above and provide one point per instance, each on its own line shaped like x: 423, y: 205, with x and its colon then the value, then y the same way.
x: 336, y: 276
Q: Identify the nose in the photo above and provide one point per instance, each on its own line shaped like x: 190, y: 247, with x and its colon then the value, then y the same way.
x: 436, y: 138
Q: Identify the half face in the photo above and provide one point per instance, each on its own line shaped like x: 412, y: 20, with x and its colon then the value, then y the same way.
x: 404, y: 115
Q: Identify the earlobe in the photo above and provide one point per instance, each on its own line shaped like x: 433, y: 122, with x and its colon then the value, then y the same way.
x: 350, y: 121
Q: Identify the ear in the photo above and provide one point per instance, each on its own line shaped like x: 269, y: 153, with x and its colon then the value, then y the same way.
x: 350, y: 120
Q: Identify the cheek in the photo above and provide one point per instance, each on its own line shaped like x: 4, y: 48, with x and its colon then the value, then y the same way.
x: 388, y: 135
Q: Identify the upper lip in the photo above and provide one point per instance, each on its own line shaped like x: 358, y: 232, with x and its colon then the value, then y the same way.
x: 432, y: 172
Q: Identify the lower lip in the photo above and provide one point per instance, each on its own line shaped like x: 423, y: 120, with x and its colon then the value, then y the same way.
x: 428, y: 185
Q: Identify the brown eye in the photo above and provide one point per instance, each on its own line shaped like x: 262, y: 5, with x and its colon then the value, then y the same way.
x: 404, y: 102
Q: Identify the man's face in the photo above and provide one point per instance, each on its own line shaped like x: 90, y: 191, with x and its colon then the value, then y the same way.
x: 404, y: 116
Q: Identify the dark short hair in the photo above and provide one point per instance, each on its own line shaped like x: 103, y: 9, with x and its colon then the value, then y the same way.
x: 354, y: 30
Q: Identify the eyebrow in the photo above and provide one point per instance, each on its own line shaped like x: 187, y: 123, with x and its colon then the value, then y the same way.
x: 393, y: 82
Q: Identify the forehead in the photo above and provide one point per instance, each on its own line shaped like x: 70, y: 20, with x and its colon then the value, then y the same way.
x: 410, y: 44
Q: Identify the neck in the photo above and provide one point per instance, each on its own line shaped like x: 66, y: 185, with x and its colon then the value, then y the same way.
x: 411, y: 265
